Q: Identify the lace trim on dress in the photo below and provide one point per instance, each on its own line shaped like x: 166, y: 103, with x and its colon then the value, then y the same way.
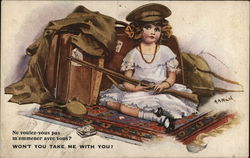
x: 109, y: 98
x: 172, y: 65
x: 109, y: 95
x: 127, y: 66
x: 133, y: 58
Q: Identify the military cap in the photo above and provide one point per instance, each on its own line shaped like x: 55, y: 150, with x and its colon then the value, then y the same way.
x: 149, y: 12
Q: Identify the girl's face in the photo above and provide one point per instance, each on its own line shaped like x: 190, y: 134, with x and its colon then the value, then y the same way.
x: 151, y: 33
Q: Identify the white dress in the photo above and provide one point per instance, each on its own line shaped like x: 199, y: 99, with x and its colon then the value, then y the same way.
x: 155, y: 72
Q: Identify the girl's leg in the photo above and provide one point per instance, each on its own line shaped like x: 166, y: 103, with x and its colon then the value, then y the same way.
x: 144, y: 115
x: 135, y: 112
x: 129, y: 111
x: 123, y: 108
x: 114, y: 105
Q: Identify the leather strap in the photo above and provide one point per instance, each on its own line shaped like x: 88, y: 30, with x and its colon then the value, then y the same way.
x: 219, y: 77
x: 115, y: 83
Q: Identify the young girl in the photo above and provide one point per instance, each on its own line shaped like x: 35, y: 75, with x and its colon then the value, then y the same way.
x: 150, y: 62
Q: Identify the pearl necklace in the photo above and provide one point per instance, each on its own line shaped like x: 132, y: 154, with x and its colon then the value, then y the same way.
x: 149, y: 62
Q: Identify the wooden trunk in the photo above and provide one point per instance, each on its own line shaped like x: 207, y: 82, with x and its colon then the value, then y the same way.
x: 68, y: 80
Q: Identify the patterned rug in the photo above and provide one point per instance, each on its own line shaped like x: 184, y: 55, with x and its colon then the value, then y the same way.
x: 115, y: 123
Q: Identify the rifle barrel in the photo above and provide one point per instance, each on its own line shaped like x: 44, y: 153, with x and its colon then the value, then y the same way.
x: 190, y: 96
x: 104, y: 70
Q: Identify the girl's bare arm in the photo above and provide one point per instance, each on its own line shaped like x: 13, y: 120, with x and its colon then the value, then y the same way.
x: 171, y: 77
x: 130, y: 87
x: 167, y: 83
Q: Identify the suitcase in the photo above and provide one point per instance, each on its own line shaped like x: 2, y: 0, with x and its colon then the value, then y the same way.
x: 67, y: 80
x: 124, y: 45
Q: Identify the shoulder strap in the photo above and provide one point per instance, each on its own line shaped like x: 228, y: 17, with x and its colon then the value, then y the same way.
x: 219, y: 77
x: 218, y: 89
x: 223, y: 79
x: 115, y: 83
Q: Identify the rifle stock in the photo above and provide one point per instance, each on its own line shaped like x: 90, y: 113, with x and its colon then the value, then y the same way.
x: 190, y: 96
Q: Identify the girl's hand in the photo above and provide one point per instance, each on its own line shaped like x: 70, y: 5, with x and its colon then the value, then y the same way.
x: 139, y: 87
x: 133, y: 88
x: 160, y: 87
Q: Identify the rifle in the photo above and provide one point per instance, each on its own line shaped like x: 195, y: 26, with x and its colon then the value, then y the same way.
x: 190, y: 96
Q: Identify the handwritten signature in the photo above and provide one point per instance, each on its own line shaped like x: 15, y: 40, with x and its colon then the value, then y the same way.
x: 224, y: 99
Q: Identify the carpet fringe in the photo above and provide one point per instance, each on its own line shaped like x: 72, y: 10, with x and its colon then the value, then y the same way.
x: 219, y: 130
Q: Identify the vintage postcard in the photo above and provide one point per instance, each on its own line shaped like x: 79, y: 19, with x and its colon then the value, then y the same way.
x: 124, y: 79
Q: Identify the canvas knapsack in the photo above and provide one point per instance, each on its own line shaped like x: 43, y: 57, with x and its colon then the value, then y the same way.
x: 199, y: 77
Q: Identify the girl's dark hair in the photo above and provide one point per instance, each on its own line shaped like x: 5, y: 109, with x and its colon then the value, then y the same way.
x: 134, y: 29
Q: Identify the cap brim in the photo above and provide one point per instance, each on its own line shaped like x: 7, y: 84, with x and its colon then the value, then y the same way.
x: 151, y: 18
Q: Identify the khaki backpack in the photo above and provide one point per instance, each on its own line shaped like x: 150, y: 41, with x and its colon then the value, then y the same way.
x: 198, y: 76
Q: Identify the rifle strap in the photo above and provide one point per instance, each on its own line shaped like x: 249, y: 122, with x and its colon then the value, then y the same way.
x: 219, y: 77
x: 115, y: 83
x: 218, y: 89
